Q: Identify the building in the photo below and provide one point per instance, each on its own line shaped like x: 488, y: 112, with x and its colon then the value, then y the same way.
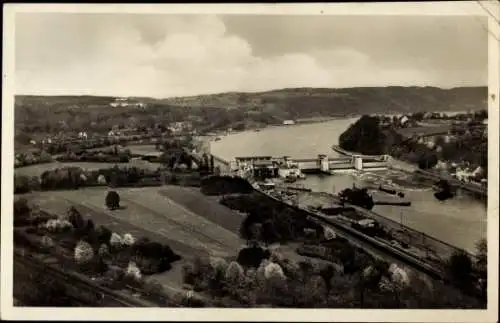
x: 258, y: 166
x: 403, y: 121
x: 288, y: 122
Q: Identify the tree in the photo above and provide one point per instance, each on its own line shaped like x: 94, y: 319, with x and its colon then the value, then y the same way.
x: 83, y: 252
x: 21, y: 208
x: 482, y: 266
x: 364, y: 136
x: 46, y: 292
x: 112, y: 200
x: 482, y: 254
x: 75, y: 218
x: 460, y: 268
x: 427, y: 160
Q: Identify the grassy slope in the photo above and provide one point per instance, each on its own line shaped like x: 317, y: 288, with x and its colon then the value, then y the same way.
x: 348, y: 100
x: 151, y: 214
x: 148, y: 214
x: 207, y: 207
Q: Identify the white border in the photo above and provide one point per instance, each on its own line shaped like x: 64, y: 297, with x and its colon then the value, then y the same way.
x: 317, y: 315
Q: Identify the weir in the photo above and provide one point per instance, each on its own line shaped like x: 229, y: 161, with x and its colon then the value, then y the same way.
x: 319, y: 164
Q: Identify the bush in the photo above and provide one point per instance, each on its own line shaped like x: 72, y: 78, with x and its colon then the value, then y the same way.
x: 76, y: 219
x: 115, y: 240
x: 57, y: 226
x: 427, y: 160
x: 273, y: 270
x: 95, y: 266
x: 234, y: 274
x: 83, y: 252
x: 133, y: 271
x: 103, y: 234
x: 21, y: 208
x: 128, y: 239
x: 47, y: 242
x: 153, y: 257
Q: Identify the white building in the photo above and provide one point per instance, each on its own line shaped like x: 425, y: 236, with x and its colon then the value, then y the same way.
x: 289, y: 122
x: 403, y: 120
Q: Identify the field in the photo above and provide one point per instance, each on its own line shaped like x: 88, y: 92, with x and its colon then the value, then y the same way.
x: 424, y: 130
x: 37, y: 170
x: 144, y: 150
x: 206, y: 206
x: 148, y: 213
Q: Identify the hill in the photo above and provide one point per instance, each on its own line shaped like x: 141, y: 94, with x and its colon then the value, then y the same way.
x: 314, y: 102
x: 234, y: 110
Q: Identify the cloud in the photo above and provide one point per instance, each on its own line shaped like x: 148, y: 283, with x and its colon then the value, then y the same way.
x: 161, y: 56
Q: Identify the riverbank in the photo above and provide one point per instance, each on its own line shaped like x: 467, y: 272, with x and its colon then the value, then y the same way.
x: 413, y: 169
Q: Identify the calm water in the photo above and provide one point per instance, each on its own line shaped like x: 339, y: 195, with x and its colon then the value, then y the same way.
x: 460, y: 221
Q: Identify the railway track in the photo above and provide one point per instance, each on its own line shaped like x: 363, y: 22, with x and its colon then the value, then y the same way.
x: 370, y: 244
x: 89, y: 294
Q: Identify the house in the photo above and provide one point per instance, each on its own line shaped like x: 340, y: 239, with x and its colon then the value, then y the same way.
x: 113, y: 133
x: 288, y: 122
x: 403, y: 121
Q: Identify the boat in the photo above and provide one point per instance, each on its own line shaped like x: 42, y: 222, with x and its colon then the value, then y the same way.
x: 388, y: 191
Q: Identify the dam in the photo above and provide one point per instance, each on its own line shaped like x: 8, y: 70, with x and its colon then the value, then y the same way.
x: 284, y: 166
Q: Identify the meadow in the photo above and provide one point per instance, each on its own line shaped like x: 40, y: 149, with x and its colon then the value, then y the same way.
x: 146, y: 212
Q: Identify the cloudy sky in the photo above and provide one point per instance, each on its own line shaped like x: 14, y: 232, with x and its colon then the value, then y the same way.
x: 174, y: 55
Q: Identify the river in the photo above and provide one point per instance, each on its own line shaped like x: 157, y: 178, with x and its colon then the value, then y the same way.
x: 460, y: 221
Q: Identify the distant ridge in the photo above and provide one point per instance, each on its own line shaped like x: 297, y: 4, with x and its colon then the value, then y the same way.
x: 308, y: 102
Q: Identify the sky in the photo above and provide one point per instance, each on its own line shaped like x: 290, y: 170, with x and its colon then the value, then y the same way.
x: 177, y: 55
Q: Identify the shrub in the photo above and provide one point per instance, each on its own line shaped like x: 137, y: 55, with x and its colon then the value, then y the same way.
x: 101, y: 180
x: 234, y: 274
x: 47, y: 242
x: 133, y: 271
x: 128, y: 239
x: 103, y: 234
x: 399, y: 276
x: 190, y: 300
x: 21, y: 208
x: 56, y: 225
x: 153, y: 288
x: 83, y: 252
x: 273, y: 270
x: 96, y: 265
x: 76, y: 219
x: 103, y: 250
x: 219, y: 265
x: 115, y: 240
